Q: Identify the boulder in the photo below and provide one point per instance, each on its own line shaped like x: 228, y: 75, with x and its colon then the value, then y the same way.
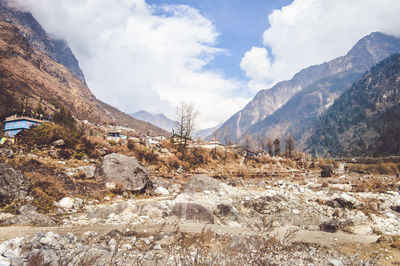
x: 53, y: 154
x: 192, y: 211
x: 59, y: 143
x: 161, y: 191
x: 105, y: 211
x: 395, y: 208
x: 123, y: 170
x: 200, y: 183
x: 29, y: 216
x: 13, y: 185
x: 66, y: 203
x: 89, y: 170
x: 152, y: 210
x: 7, y: 153
x: 327, y: 171
x: 334, y: 225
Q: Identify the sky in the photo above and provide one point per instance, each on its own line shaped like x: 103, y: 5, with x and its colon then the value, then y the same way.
x: 151, y: 55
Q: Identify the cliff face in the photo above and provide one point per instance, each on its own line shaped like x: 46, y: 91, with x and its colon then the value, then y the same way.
x: 57, y: 50
x: 27, y: 75
x: 365, y: 119
x: 320, y: 85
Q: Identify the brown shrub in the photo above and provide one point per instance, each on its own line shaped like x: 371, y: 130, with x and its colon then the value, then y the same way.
x: 46, y: 190
x: 381, y: 168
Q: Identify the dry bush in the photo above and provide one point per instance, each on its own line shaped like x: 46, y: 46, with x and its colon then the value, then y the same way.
x: 381, y: 168
x: 373, y: 185
x: 171, y: 162
x: 47, y: 133
x: 46, y: 190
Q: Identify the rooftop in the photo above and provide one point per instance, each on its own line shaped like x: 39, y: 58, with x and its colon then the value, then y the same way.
x: 21, y: 117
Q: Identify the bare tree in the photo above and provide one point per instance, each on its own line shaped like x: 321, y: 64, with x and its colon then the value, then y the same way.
x: 226, y: 136
x: 289, y: 145
x: 269, y: 147
x: 186, y: 116
x: 249, y: 143
x: 277, y: 147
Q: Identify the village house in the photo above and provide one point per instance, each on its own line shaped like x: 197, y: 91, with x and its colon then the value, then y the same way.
x: 15, y: 124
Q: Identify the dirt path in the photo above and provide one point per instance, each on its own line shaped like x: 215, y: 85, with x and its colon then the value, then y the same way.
x: 322, y: 238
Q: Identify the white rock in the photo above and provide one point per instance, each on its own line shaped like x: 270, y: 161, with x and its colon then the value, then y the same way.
x: 107, y: 198
x: 295, y: 211
x: 66, y: 203
x: 157, y: 247
x: 4, y: 261
x: 162, y: 191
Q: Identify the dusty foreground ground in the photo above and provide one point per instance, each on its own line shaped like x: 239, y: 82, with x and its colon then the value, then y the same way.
x: 299, y: 218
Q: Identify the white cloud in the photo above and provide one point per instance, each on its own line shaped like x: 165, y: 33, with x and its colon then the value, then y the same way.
x: 309, y: 32
x: 256, y: 66
x: 136, y: 56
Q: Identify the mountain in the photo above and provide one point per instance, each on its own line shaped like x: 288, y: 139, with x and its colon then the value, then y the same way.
x: 206, y: 133
x: 156, y: 119
x: 29, y: 77
x: 276, y: 111
x: 57, y: 50
x: 364, y: 120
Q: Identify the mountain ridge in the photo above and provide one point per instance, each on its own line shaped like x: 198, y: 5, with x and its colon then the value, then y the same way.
x: 31, y: 77
x: 364, y: 119
x: 156, y: 119
x: 58, y: 50
x: 267, y: 102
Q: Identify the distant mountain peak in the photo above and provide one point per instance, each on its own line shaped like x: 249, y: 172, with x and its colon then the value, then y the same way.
x: 157, y: 119
x: 309, y: 92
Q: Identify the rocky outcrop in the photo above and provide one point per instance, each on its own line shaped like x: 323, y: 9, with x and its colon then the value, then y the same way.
x: 29, y: 216
x: 200, y: 183
x: 192, y: 211
x: 13, y: 185
x: 118, y: 169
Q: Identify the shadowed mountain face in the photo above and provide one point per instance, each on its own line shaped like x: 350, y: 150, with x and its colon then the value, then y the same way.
x: 58, y: 50
x: 276, y: 112
x: 159, y: 120
x: 364, y: 120
x: 27, y: 75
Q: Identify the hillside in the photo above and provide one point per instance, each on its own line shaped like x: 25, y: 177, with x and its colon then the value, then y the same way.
x: 29, y: 76
x: 365, y: 119
x: 315, y: 89
x: 156, y: 119
x: 57, y: 50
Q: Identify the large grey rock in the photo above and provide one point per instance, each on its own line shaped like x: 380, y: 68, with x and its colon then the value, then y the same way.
x: 105, y: 211
x: 200, y: 183
x: 89, y: 170
x: 327, y: 171
x: 336, y: 225
x: 13, y: 185
x: 124, y: 170
x: 192, y: 211
x: 29, y: 216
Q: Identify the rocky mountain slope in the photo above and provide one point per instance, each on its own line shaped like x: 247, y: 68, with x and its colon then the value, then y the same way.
x: 58, y: 50
x: 319, y: 85
x: 365, y: 119
x: 29, y: 76
x: 156, y: 119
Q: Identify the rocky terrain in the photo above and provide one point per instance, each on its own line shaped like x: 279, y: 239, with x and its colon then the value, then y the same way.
x: 286, y: 214
x: 291, y: 106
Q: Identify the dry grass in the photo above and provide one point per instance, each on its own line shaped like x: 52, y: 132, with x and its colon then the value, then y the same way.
x: 380, y: 169
x: 46, y: 190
